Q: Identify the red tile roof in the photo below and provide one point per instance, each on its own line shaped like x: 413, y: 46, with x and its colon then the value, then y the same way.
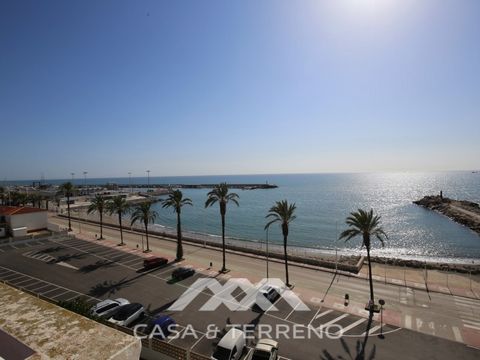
x: 17, y: 210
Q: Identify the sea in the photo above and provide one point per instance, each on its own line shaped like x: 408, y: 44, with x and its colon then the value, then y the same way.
x: 323, y: 202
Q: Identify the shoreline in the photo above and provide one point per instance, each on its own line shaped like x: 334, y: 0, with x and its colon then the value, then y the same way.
x: 310, y: 256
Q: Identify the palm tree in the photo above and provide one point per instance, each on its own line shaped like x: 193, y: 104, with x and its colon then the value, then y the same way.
x: 365, y: 224
x: 143, y: 212
x: 282, y: 212
x: 120, y: 206
x: 220, y: 194
x: 98, y: 204
x: 176, y: 201
x: 68, y: 189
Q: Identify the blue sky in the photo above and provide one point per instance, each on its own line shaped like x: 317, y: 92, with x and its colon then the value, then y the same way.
x: 238, y: 87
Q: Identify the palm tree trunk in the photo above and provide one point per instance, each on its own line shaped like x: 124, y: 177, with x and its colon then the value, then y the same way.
x: 286, y: 259
x: 370, y: 277
x: 101, y: 225
x: 121, y: 230
x: 224, y: 268
x: 146, y: 235
x: 68, y: 210
x: 179, y: 238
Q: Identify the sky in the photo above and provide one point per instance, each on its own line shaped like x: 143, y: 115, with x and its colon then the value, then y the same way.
x: 238, y: 87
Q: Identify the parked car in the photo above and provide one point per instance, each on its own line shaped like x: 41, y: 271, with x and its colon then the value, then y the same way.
x: 107, y: 307
x: 270, y: 292
x: 182, y: 273
x: 231, y: 346
x: 127, y: 314
x: 266, y: 349
x: 160, y: 327
x: 154, y: 262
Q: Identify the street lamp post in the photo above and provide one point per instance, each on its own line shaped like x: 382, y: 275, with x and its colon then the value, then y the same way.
x: 381, y: 302
x: 336, y: 248
x: 73, y: 177
x: 148, y: 180
x: 130, y: 181
x: 267, y: 251
x: 85, y: 181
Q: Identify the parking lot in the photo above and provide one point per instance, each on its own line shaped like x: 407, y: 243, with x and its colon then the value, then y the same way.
x: 66, y: 268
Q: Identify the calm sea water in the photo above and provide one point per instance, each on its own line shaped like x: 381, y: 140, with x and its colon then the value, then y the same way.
x: 323, y: 202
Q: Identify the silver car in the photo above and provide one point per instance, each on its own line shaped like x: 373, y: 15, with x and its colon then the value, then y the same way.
x: 107, y: 307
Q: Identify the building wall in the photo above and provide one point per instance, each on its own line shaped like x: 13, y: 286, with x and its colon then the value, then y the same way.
x: 32, y: 221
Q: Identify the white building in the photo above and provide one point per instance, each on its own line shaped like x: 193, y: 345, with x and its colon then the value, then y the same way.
x: 20, y: 220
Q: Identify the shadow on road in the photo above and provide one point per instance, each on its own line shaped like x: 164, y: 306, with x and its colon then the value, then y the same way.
x: 96, y: 265
x: 360, y: 351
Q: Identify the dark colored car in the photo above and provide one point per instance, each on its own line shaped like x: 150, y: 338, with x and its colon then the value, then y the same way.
x: 161, y: 326
x: 182, y: 273
x: 154, y: 262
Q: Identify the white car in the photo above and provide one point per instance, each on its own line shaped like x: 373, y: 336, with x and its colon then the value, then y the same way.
x: 266, y: 349
x: 230, y: 346
x: 127, y: 314
x: 107, y: 307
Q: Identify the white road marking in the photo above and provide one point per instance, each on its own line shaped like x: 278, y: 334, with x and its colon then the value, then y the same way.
x: 456, y: 333
x: 351, y: 326
x: 64, y: 264
x: 35, y: 289
x: 472, y: 326
x: 322, y: 314
x: 371, y: 330
x: 408, y: 321
x: 23, y: 281
x: 63, y: 293
x: 335, y: 320
x: 196, y: 342
x: 472, y: 322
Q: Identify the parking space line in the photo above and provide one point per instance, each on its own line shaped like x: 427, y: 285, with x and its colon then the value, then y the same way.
x: 322, y: 314
x: 2, y: 250
x: 49, y: 291
x: 13, y: 246
x: 104, y: 252
x: 10, y: 278
x: 4, y: 272
x: 335, y: 320
x: 129, y: 261
x: 47, y: 282
x: 177, y: 335
x: 71, y: 298
x: 291, y: 312
x: 196, y: 342
x: 351, y: 326
x: 371, y: 330
x: 63, y: 293
x: 24, y: 281
x: 35, y: 289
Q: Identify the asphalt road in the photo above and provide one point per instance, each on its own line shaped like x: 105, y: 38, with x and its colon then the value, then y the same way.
x: 68, y: 268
